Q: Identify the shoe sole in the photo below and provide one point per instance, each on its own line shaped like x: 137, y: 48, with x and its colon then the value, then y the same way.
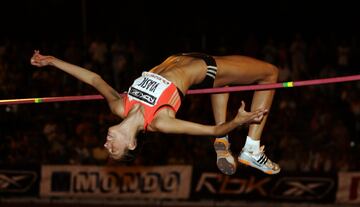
x: 245, y: 162
x: 222, y: 163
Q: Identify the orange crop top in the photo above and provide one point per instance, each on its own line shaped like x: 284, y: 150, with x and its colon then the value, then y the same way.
x: 152, y: 91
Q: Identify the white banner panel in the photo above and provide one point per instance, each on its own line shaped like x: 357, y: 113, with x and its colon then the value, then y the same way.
x: 348, y: 187
x: 160, y: 182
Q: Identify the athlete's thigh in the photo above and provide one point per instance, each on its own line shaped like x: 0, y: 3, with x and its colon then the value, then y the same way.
x: 237, y: 70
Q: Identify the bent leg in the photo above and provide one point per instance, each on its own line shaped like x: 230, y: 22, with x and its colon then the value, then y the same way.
x: 224, y: 159
x: 245, y: 70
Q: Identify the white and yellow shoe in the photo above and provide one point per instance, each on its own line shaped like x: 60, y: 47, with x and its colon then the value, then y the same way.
x: 224, y: 159
x: 259, y: 161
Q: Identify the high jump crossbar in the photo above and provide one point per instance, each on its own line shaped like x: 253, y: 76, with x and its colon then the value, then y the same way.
x: 195, y: 91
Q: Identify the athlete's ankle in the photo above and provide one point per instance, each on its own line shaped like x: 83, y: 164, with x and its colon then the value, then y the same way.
x: 252, y: 145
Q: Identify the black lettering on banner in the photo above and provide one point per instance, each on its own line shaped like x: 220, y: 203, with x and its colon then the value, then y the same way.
x: 112, y: 182
x: 130, y: 182
x: 171, y: 182
x: 86, y: 182
x: 109, y: 183
x: 150, y: 182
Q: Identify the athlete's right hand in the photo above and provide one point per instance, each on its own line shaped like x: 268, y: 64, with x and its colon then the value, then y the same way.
x: 40, y: 60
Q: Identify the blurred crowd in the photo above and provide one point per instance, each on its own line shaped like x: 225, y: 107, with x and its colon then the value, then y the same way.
x: 309, y: 129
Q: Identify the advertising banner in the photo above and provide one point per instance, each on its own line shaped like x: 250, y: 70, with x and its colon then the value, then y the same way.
x: 259, y: 186
x: 157, y: 182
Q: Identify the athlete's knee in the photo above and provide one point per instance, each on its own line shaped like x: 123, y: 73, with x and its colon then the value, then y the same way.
x: 272, y: 74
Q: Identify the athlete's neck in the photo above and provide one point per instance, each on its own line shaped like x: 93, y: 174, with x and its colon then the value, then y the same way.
x: 135, y: 119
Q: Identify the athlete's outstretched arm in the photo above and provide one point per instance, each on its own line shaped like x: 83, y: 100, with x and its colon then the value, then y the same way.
x: 89, y: 77
x: 168, y: 124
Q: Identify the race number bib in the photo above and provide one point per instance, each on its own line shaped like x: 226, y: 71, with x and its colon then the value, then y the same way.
x: 148, y: 88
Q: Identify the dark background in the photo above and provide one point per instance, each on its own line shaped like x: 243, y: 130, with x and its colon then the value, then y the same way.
x: 165, y: 20
x: 162, y: 28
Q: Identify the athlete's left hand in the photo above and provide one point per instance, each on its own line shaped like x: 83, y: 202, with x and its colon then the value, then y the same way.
x: 245, y: 117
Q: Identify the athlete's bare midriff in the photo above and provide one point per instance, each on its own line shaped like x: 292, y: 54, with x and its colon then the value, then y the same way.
x: 182, y: 71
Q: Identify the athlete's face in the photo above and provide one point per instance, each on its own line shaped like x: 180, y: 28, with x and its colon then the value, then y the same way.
x: 117, y: 143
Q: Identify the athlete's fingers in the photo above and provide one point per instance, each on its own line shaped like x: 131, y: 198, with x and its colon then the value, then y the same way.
x: 242, y: 106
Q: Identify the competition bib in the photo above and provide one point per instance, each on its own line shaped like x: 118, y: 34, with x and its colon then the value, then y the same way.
x: 148, y: 88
